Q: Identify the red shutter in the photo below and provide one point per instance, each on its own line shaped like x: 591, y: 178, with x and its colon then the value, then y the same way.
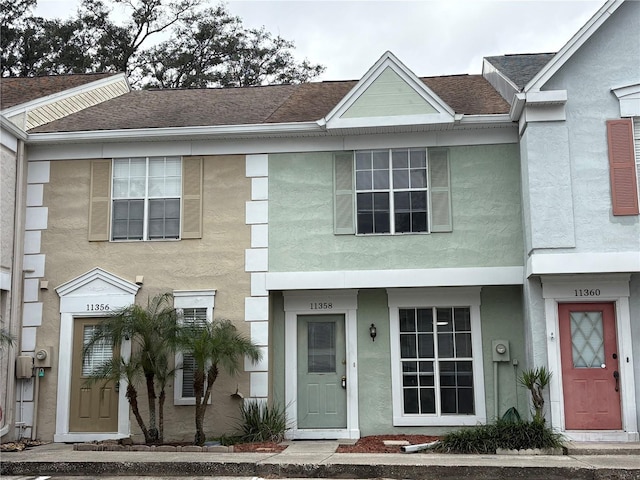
x: 622, y: 168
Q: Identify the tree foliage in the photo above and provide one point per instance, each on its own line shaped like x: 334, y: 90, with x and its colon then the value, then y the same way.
x: 213, y: 346
x: 161, y: 44
x: 152, y: 332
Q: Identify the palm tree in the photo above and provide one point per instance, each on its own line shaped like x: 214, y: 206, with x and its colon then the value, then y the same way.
x: 153, y: 332
x: 213, y: 346
x: 6, y: 339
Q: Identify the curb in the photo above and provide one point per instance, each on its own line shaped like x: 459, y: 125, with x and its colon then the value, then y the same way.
x: 267, y: 469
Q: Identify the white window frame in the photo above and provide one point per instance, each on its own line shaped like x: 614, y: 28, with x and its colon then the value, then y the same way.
x: 426, y: 298
x: 391, y: 191
x: 145, y: 199
x: 190, y: 299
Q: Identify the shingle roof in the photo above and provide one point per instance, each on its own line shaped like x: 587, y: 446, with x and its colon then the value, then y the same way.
x: 520, y: 68
x: 17, y: 90
x: 469, y: 94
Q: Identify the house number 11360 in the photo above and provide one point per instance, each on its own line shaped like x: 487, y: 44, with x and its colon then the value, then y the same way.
x: 587, y: 292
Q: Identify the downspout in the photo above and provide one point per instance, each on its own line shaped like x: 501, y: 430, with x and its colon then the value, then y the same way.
x: 15, y: 314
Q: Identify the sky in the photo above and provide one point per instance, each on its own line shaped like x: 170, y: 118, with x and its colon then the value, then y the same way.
x: 431, y: 37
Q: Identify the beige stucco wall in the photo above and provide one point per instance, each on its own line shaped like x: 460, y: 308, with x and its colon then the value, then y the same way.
x: 214, y: 262
x: 7, y: 204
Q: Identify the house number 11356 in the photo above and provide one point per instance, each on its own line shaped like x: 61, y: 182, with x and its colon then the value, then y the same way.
x: 97, y: 307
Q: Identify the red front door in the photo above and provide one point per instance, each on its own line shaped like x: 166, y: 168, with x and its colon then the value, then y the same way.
x: 590, y: 375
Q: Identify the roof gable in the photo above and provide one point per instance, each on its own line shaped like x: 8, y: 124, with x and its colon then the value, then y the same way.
x: 97, y: 281
x: 389, y: 94
x: 573, y: 45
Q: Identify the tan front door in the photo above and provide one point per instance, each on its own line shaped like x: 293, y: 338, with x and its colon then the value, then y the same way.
x: 94, y: 406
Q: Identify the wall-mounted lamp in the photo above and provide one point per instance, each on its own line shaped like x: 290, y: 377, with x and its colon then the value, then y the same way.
x: 139, y: 279
x: 373, y: 331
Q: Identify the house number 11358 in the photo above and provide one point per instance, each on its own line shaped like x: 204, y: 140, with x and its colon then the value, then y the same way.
x: 321, y: 305
x: 587, y: 292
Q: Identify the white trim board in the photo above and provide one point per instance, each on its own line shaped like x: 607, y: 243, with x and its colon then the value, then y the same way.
x: 343, y: 303
x: 606, y: 288
x: 47, y: 146
x: 433, y: 277
x: 566, y: 263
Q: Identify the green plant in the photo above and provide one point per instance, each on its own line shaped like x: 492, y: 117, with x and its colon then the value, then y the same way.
x: 6, y: 339
x: 536, y: 380
x: 512, y: 415
x: 213, y: 346
x: 153, y: 334
x: 261, y: 422
x: 485, y: 439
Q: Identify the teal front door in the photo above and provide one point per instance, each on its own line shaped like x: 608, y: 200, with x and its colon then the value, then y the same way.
x: 322, y: 394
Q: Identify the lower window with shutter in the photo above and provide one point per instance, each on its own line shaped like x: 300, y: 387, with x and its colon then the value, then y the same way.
x: 195, y: 309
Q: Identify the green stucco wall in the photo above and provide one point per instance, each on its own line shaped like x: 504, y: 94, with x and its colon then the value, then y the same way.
x: 501, y: 318
x: 487, y: 225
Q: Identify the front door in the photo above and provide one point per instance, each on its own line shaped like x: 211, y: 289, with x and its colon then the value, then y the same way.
x: 94, y: 406
x: 322, y: 395
x: 590, y: 374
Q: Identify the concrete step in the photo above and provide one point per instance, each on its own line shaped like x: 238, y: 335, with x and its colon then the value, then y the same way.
x: 602, y: 448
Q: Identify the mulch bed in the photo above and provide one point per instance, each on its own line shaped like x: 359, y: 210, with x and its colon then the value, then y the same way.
x: 375, y: 443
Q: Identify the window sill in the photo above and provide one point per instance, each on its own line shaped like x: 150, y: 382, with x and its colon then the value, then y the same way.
x: 435, y: 421
x: 391, y: 234
x: 144, y: 241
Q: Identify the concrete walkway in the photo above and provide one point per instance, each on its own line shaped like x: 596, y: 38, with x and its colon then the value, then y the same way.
x: 319, y: 460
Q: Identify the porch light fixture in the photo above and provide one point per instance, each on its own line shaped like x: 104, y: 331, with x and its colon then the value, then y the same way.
x: 373, y: 332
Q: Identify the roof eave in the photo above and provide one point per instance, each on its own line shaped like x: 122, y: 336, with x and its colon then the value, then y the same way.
x: 256, y: 130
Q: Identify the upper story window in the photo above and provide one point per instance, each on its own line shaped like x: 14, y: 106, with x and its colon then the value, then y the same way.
x: 392, y: 191
x: 146, y: 198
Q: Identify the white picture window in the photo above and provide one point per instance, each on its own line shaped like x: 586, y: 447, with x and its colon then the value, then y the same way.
x: 146, y: 195
x: 436, y: 355
x: 196, y: 308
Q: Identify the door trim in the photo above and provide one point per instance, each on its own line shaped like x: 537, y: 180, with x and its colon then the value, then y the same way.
x: 610, y: 289
x: 77, y: 298
x: 343, y: 302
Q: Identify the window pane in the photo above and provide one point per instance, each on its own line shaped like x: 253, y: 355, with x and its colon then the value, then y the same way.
x: 381, y: 202
x: 444, y: 320
x: 188, y: 370
x: 173, y: 167
x: 448, y: 401
x: 381, y: 223
x: 445, y: 345
x: 363, y: 160
x: 156, y: 187
x: 419, y: 201
x: 587, y: 339
x: 407, y: 320
x: 426, y: 374
x: 418, y: 178
x: 409, y: 367
x: 409, y: 380
x: 463, y: 344
x: 465, y: 401
x: 419, y: 222
x: 381, y: 159
x: 402, y: 201
x: 403, y: 222
x: 462, y: 319
x: 120, y: 187
x: 99, y: 353
x: 138, y: 167
x: 127, y: 219
x: 425, y: 345
x: 172, y: 186
x: 407, y: 346
x: 137, y: 187
x: 400, y: 158
x: 411, y: 400
x: 427, y: 400
x: 401, y: 179
x: 380, y: 179
x: 363, y: 180
x: 321, y: 338
x: 425, y: 320
x: 418, y: 158
x: 365, y: 223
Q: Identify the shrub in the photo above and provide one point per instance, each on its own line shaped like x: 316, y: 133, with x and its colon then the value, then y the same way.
x: 502, y: 434
x: 261, y: 422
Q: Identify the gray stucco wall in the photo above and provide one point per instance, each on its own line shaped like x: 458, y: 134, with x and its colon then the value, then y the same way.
x: 572, y: 156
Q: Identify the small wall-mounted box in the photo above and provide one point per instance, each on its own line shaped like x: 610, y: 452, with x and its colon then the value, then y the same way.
x: 24, y: 366
x: 500, y: 349
x: 43, y: 357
